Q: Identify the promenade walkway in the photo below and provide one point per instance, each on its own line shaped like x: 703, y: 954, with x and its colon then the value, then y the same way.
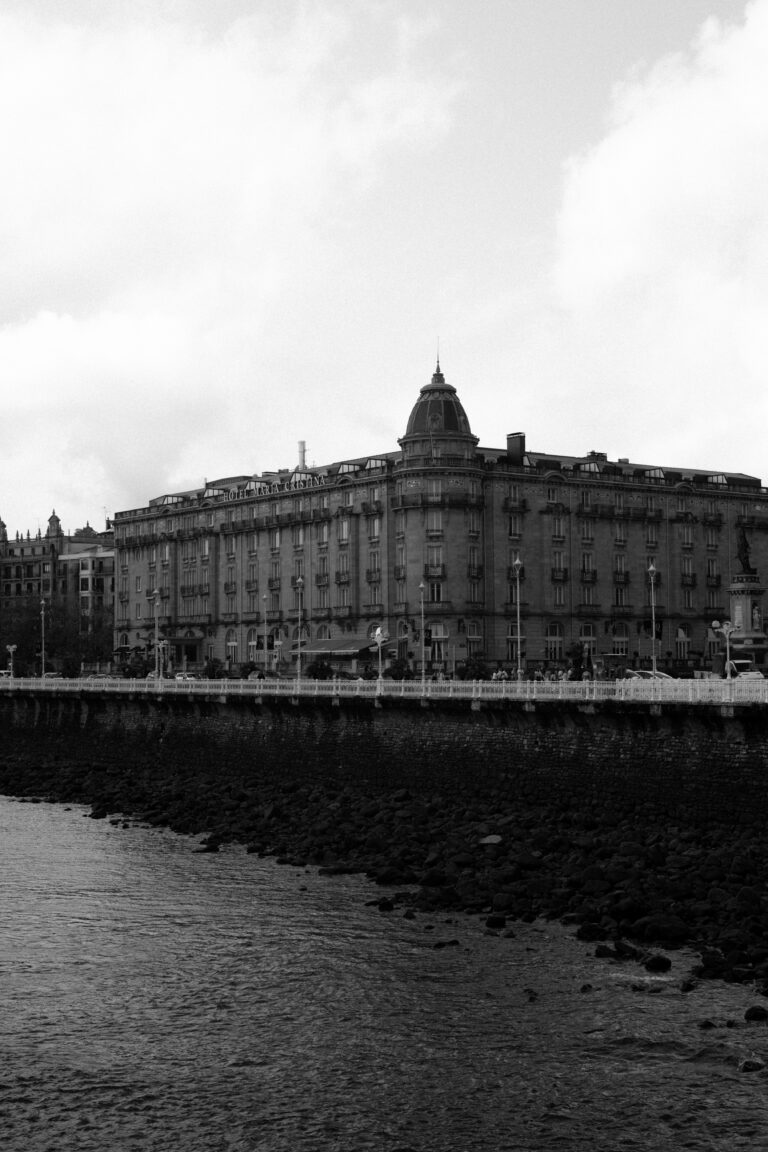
x: 671, y: 692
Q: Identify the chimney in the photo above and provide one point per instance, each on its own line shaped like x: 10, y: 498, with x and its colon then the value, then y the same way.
x: 302, y: 454
x: 516, y: 448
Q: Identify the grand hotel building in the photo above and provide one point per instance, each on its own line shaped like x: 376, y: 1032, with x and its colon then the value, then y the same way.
x: 424, y: 543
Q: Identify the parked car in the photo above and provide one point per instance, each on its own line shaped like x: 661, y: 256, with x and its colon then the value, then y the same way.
x: 647, y: 674
x: 743, y: 670
x: 185, y: 676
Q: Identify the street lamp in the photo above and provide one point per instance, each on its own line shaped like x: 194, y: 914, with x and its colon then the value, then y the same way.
x: 423, y: 668
x: 726, y: 628
x: 652, y: 578
x: 156, y: 599
x: 264, y: 598
x: 517, y: 566
x: 380, y: 637
x: 300, y: 590
x: 11, y: 649
x: 42, y: 638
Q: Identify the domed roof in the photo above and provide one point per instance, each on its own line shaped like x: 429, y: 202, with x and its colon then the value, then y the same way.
x: 438, y: 410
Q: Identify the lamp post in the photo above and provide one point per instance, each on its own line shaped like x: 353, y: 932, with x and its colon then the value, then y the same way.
x: 517, y: 566
x: 652, y: 578
x: 264, y: 599
x: 726, y: 628
x: 423, y: 668
x: 11, y: 649
x: 380, y: 638
x: 42, y: 638
x: 300, y: 590
x: 156, y: 600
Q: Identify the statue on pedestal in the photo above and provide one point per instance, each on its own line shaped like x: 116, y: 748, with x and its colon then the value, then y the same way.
x: 742, y: 551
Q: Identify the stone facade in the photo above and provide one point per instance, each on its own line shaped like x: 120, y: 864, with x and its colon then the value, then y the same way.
x: 421, y: 542
x: 57, y: 570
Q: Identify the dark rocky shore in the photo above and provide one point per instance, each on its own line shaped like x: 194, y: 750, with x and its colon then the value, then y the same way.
x: 631, y: 879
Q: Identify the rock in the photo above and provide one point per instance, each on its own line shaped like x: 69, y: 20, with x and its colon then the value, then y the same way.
x: 657, y: 963
x: 756, y: 1014
x: 590, y: 931
x: 751, y: 1064
x: 661, y: 928
x: 433, y: 878
x: 495, y: 920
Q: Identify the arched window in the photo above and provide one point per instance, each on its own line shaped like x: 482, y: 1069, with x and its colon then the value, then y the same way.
x: 553, y: 641
x: 620, y: 646
x: 512, y: 643
x: 252, y: 643
x: 682, y: 642
x: 588, y: 639
x: 474, y: 639
x: 439, y: 637
x: 231, y: 645
x: 323, y: 632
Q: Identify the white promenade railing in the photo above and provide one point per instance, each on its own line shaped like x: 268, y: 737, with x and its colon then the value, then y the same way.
x: 707, y: 692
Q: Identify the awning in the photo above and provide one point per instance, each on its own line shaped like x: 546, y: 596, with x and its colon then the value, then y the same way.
x: 339, y: 646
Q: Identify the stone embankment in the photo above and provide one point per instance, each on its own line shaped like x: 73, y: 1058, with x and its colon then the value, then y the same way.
x: 630, y: 876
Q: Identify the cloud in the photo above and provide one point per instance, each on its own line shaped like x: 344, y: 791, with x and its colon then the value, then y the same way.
x: 662, y: 271
x: 170, y: 189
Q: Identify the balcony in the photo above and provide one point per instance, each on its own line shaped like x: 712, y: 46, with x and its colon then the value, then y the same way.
x: 512, y: 573
x: 621, y: 578
x: 714, y: 581
x: 588, y: 575
x: 475, y: 572
x: 322, y: 579
x: 230, y: 587
x: 400, y: 572
x: 342, y: 577
x: 274, y: 615
x: 434, y: 571
x: 559, y: 575
x: 274, y: 583
x: 373, y: 575
x: 688, y: 579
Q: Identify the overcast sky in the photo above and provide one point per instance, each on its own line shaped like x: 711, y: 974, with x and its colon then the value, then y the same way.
x: 229, y: 227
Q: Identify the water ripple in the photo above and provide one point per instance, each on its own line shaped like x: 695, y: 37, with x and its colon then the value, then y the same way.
x: 156, y: 998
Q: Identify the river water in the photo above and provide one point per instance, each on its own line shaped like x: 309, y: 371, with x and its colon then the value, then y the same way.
x: 156, y: 998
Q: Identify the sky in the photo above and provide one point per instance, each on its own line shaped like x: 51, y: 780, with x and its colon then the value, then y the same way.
x: 229, y: 228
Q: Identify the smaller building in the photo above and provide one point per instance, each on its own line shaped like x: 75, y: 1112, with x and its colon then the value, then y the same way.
x: 65, y: 582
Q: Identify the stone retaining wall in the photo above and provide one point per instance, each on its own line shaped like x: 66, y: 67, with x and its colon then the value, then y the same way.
x: 688, y: 758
